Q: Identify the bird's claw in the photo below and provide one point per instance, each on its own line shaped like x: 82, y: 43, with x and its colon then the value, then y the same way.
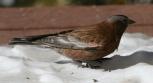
x: 88, y: 65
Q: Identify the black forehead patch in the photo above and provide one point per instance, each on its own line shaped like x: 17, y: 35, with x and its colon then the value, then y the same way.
x: 121, y: 15
x: 116, y: 18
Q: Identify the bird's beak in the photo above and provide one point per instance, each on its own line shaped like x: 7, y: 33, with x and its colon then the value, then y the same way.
x: 131, y: 21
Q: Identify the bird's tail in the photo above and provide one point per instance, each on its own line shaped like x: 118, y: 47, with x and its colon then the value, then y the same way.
x: 31, y: 39
x: 19, y: 41
x: 28, y: 39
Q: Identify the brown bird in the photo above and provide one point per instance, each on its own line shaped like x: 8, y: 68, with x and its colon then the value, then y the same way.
x: 84, y: 43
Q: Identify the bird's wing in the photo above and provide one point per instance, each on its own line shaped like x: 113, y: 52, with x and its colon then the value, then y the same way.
x: 59, y: 40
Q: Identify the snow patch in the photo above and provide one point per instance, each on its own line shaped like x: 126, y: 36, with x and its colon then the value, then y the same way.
x: 32, y: 64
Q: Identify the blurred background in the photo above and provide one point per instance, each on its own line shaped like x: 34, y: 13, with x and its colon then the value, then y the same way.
x: 32, y: 17
x: 27, y: 3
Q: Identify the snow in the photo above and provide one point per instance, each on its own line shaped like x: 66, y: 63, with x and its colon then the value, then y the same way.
x: 133, y: 63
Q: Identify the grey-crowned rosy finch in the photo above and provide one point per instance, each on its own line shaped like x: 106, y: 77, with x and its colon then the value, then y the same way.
x: 84, y: 43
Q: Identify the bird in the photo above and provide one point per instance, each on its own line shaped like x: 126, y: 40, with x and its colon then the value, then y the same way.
x: 83, y: 43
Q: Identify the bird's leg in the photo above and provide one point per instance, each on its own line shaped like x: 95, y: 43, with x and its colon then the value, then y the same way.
x: 89, y: 65
x: 86, y: 64
x: 93, y: 64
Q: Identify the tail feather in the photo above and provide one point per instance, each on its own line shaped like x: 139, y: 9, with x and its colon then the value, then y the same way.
x: 19, y: 41
x: 30, y: 39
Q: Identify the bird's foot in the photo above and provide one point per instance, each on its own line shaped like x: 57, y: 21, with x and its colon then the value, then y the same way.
x: 95, y: 64
x: 88, y: 65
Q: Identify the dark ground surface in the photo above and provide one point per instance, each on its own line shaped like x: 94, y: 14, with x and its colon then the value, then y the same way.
x: 16, y: 22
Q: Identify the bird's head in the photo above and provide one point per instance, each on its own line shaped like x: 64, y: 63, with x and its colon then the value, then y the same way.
x: 121, y: 19
x: 120, y: 23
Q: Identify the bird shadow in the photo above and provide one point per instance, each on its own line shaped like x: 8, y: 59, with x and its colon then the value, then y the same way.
x: 121, y: 62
